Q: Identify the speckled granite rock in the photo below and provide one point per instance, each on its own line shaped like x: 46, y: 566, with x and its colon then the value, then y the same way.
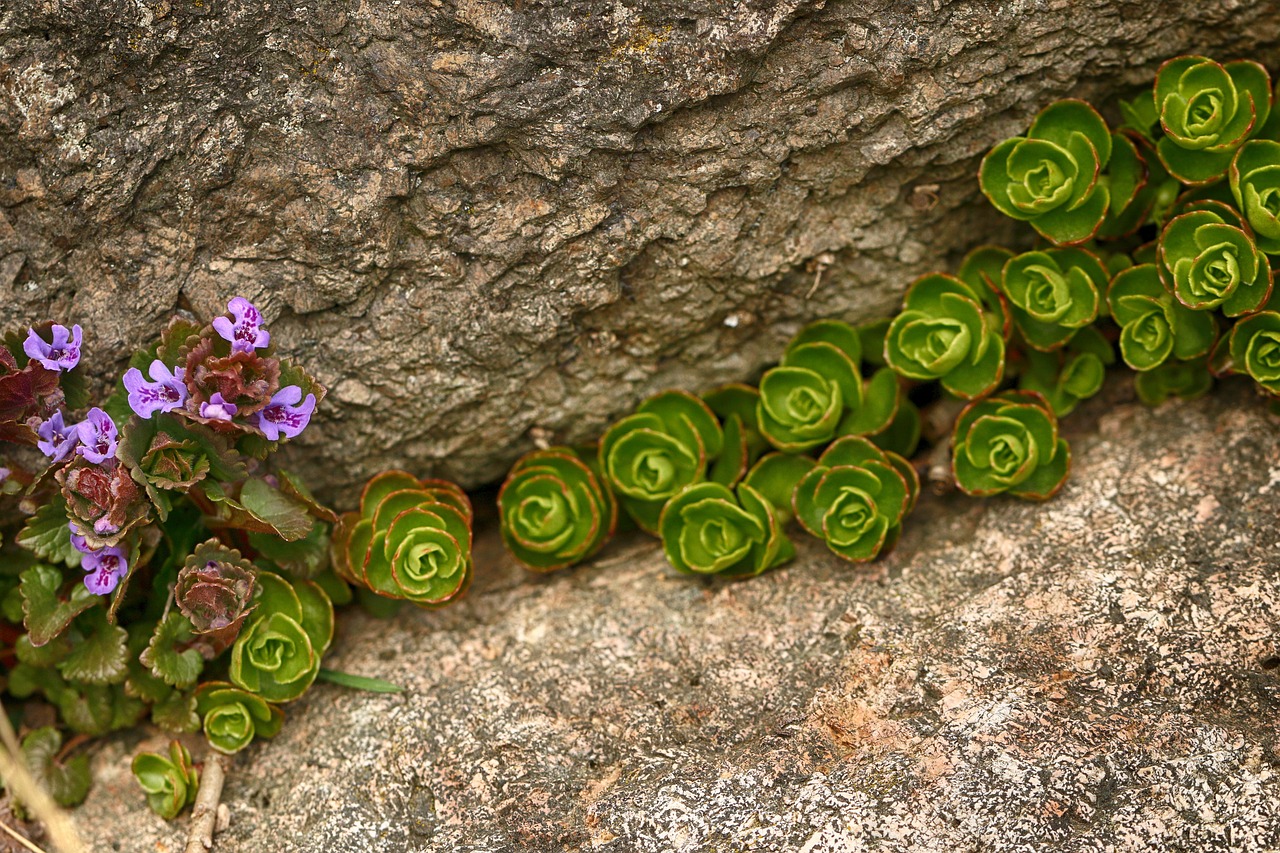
x: 1099, y: 673
x: 480, y: 221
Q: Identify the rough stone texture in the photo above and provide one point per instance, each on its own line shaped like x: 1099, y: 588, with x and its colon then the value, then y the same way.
x: 1099, y: 673
x: 475, y: 218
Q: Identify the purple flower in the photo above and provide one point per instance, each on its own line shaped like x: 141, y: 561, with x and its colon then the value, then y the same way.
x: 97, y: 436
x: 4, y: 474
x: 62, y: 354
x: 284, y: 415
x: 244, y: 329
x: 103, y: 567
x: 165, y: 394
x: 57, y: 438
x: 218, y: 409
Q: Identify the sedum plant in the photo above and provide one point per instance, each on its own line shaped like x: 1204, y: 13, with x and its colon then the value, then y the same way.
x: 1255, y: 187
x: 1008, y: 443
x: 709, y: 528
x: 410, y: 541
x: 1154, y: 326
x: 277, y: 654
x: 232, y: 718
x: 944, y: 334
x: 1053, y: 294
x: 1050, y: 177
x: 1255, y: 349
x: 855, y: 498
x: 1068, y: 376
x: 1210, y: 261
x: 170, y: 782
x: 1207, y: 111
x: 554, y: 511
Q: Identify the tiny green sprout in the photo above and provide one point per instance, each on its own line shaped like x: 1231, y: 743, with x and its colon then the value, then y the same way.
x: 1209, y: 261
x: 1053, y: 293
x: 1069, y: 375
x: 170, y: 782
x: 944, y: 334
x: 1050, y: 178
x: 1255, y: 184
x: 1255, y: 349
x: 232, y: 717
x: 855, y: 498
x: 1154, y: 326
x: 277, y: 655
x: 1207, y: 111
x: 649, y: 456
x: 554, y: 511
x: 1188, y: 380
x: 411, y: 540
x: 710, y: 529
x: 1009, y: 443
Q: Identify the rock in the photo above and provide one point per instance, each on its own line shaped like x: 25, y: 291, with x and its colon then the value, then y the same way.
x: 1096, y: 673
x: 479, y: 219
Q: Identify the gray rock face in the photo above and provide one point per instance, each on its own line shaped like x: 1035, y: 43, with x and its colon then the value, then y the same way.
x: 477, y: 219
x: 1098, y: 673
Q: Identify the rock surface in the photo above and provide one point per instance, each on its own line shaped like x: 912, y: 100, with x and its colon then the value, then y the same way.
x: 484, y: 221
x: 1098, y: 673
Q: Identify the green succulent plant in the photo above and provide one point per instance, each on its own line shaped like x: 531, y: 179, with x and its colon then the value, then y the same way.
x: 410, y: 541
x: 775, y: 476
x: 983, y: 269
x: 1207, y: 111
x: 170, y: 782
x: 1155, y: 327
x: 1009, y: 443
x: 1132, y: 185
x: 1188, y: 380
x: 553, y: 510
x: 232, y: 717
x: 1053, y: 293
x: 277, y: 655
x: 649, y: 456
x: 1068, y: 376
x: 1050, y: 178
x: 944, y: 334
x: 710, y: 529
x: 1209, y: 261
x: 1255, y: 185
x: 817, y: 392
x: 855, y: 498
x: 1255, y: 349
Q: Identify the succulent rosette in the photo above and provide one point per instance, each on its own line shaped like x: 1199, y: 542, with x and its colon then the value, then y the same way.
x: 855, y: 498
x: 1050, y: 177
x: 1009, y: 443
x: 1210, y: 261
x: 707, y: 528
x: 215, y: 591
x: 943, y: 333
x: 170, y: 782
x: 1187, y: 380
x: 554, y: 511
x: 232, y: 718
x: 647, y: 457
x: 1207, y: 111
x: 1255, y: 349
x: 1255, y: 184
x: 277, y: 654
x: 411, y: 540
x: 1053, y: 294
x: 1154, y: 326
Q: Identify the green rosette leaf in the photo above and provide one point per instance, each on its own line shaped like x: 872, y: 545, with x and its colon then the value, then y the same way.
x: 1255, y: 185
x: 982, y: 269
x: 1255, y: 349
x: 881, y: 398
x: 275, y: 655
x: 1050, y: 177
x: 803, y: 399
x: 743, y: 401
x: 554, y: 512
x: 170, y: 782
x: 1068, y: 376
x: 1207, y: 111
x: 1153, y: 325
x: 428, y: 549
x: 1009, y: 443
x: 709, y: 529
x: 232, y: 718
x: 943, y: 334
x: 775, y: 477
x: 1209, y: 262
x: 1053, y: 293
x: 839, y: 334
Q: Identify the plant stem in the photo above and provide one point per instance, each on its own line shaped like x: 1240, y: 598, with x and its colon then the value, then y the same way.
x: 204, y: 816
